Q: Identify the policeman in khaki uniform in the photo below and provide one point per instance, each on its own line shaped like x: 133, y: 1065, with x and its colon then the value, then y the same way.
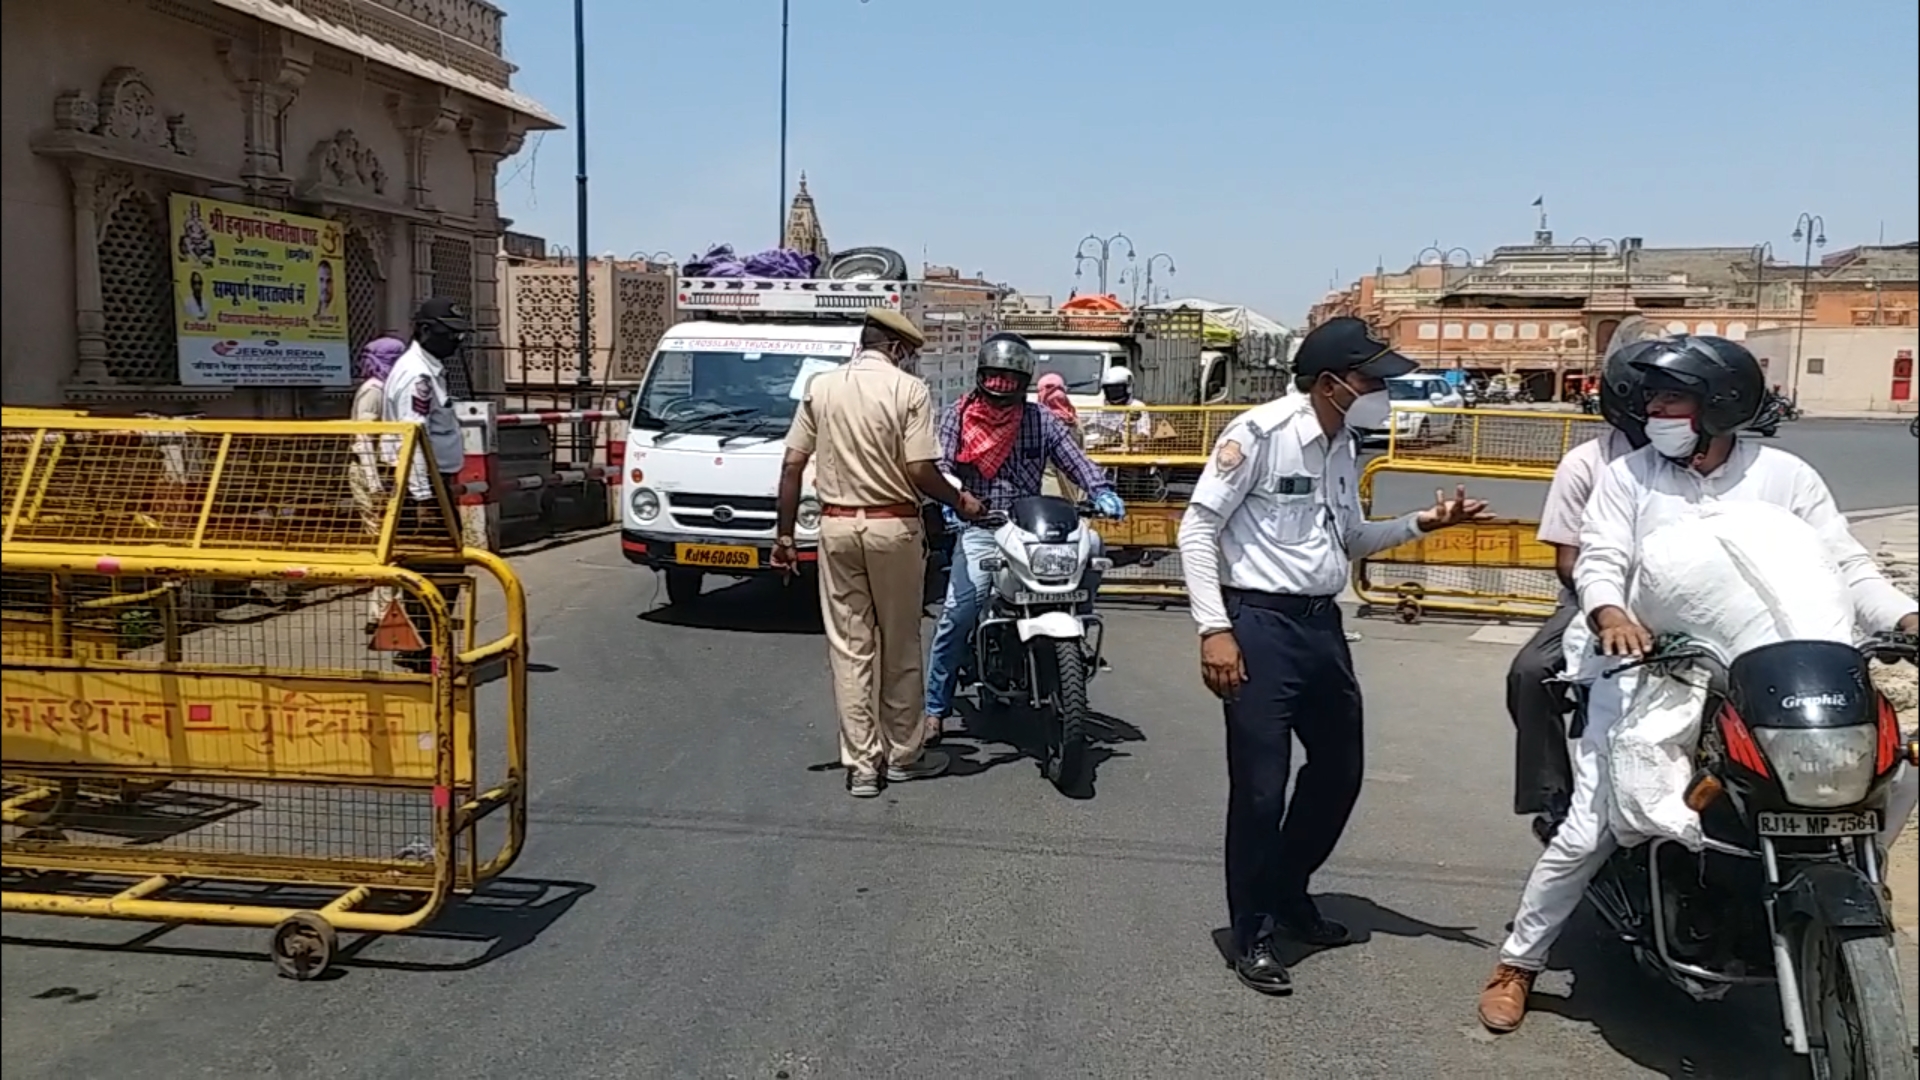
x: 1265, y: 544
x: 868, y: 428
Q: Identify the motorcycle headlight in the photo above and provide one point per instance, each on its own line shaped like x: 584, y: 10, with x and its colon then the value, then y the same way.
x: 1053, y: 562
x: 808, y: 517
x: 645, y: 504
x: 1822, y: 767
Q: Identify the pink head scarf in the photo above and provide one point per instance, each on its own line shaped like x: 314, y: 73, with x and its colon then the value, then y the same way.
x: 1053, y: 394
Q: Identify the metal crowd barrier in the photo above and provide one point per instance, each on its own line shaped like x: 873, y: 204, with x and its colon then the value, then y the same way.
x: 184, y: 743
x: 1154, y: 455
x: 1494, y: 568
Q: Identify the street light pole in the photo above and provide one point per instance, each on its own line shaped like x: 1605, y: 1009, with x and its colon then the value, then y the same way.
x: 583, y: 378
x: 1104, y: 257
x: 780, y: 233
x: 1171, y: 270
x: 1445, y: 254
x: 1811, y: 228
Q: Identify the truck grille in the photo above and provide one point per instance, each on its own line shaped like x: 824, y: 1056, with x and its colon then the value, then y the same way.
x: 723, y: 513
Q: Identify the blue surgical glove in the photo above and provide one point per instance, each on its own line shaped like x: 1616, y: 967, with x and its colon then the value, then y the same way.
x: 1110, y: 505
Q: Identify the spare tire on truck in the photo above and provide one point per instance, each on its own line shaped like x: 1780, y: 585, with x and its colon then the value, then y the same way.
x: 867, y: 264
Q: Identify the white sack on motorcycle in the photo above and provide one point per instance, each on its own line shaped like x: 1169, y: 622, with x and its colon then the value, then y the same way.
x: 1734, y: 576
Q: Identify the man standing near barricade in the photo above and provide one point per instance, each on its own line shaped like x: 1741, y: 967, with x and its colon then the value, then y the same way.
x: 868, y: 429
x: 416, y: 393
x: 1265, y: 544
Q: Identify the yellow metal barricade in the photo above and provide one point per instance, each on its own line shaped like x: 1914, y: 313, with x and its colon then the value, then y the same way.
x: 245, y: 682
x: 1154, y: 454
x: 1494, y: 568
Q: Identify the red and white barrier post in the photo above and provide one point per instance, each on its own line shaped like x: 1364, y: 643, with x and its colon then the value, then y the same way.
x: 474, y: 489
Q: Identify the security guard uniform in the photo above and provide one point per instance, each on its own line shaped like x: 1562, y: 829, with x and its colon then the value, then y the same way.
x: 1266, y: 544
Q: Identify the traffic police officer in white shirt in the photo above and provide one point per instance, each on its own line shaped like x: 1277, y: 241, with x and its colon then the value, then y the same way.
x: 1266, y: 543
x: 1701, y: 393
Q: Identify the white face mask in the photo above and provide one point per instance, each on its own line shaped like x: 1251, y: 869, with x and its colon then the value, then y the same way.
x: 1367, y: 412
x: 1673, y: 438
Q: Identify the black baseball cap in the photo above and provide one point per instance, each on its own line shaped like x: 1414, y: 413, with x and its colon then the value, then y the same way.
x: 448, y: 313
x: 1345, y: 344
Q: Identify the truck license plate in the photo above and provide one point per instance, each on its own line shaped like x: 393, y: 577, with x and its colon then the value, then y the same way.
x: 1078, y: 596
x: 718, y: 556
x: 1864, y: 823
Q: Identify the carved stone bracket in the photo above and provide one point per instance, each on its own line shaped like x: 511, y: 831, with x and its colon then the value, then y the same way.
x: 423, y: 118
x: 270, y: 72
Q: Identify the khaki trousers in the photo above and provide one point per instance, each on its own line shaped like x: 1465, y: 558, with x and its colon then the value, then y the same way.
x: 872, y: 571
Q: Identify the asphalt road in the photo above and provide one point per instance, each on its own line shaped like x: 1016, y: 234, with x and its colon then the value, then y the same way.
x: 701, y: 899
x: 1869, y: 464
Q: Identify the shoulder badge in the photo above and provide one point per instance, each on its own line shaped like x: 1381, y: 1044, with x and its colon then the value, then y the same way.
x: 1229, y: 456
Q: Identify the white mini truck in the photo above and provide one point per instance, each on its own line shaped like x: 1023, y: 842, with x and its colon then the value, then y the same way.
x: 708, y: 424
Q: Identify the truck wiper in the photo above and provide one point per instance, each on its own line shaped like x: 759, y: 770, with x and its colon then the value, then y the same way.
x: 696, y: 423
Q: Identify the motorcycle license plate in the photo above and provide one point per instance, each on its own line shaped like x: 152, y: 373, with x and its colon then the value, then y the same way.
x: 1078, y: 596
x: 1864, y: 823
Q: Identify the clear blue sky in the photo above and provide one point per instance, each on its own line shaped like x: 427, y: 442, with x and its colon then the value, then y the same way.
x: 1264, y: 144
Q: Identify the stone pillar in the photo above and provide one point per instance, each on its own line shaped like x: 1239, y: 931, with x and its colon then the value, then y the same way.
x: 269, y: 73
x: 423, y: 120
x: 488, y: 146
x: 89, y: 307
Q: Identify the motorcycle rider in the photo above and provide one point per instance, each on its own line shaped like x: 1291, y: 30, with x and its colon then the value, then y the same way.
x: 1701, y: 392
x: 998, y: 446
x: 1109, y: 425
x: 1542, y: 774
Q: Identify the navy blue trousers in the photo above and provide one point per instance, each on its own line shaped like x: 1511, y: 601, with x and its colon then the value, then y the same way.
x: 1300, y: 684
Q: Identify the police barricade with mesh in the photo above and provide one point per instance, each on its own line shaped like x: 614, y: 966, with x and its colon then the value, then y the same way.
x: 245, y: 681
x: 1154, y: 454
x: 1494, y: 568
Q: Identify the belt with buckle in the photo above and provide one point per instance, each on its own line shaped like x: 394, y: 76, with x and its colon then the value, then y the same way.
x: 891, y: 510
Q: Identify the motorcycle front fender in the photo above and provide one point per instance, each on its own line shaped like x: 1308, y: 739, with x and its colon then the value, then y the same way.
x: 1060, y: 625
x: 1834, y: 895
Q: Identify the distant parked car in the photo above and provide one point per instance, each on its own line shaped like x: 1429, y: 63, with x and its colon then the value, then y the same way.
x: 1414, y: 419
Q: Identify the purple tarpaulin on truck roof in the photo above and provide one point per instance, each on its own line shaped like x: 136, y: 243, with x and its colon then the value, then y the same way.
x: 720, y: 261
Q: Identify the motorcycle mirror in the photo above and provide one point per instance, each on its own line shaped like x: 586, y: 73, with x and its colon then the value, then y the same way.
x: 993, y: 564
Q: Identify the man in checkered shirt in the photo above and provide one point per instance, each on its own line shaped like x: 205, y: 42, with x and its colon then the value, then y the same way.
x: 998, y: 446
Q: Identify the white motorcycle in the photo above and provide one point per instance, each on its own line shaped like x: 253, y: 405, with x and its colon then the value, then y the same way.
x: 1032, y: 645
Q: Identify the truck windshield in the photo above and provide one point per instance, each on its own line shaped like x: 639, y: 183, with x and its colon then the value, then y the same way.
x: 734, y: 390
x: 1081, y: 370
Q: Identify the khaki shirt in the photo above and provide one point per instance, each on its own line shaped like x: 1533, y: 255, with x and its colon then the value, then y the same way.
x: 863, y: 423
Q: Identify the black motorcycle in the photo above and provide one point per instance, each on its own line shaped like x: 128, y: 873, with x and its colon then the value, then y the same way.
x: 1797, y: 748
x: 1773, y: 412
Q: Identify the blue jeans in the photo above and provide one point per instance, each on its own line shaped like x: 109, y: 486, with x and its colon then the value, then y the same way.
x: 967, y: 585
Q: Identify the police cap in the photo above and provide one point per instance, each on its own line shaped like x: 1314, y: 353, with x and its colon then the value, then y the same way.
x: 898, y: 325
x: 1345, y: 344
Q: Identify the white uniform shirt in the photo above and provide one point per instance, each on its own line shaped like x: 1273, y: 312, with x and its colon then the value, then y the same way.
x: 1642, y: 491
x: 1565, y: 511
x: 1279, y: 508
x: 440, y: 426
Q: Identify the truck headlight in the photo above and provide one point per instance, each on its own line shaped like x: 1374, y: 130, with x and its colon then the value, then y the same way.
x: 1821, y: 767
x: 1053, y: 562
x: 808, y: 516
x: 644, y: 503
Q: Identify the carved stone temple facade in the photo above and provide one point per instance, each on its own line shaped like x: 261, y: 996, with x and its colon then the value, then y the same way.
x: 389, y: 116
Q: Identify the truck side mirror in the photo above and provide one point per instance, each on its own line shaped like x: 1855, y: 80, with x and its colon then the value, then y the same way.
x: 623, y: 402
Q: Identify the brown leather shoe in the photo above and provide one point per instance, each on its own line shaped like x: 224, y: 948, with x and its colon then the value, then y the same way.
x: 1503, y: 1004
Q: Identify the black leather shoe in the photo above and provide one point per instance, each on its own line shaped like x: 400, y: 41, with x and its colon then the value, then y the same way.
x: 1260, y: 970
x: 1308, y: 927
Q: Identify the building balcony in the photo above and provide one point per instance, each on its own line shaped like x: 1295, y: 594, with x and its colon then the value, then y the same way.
x: 465, y: 35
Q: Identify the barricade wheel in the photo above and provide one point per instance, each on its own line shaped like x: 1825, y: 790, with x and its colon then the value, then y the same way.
x: 1408, y: 610
x: 303, y: 946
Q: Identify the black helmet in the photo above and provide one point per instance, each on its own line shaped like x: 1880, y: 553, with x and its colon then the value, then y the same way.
x: 1722, y: 374
x: 1623, y: 395
x: 1001, y: 356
